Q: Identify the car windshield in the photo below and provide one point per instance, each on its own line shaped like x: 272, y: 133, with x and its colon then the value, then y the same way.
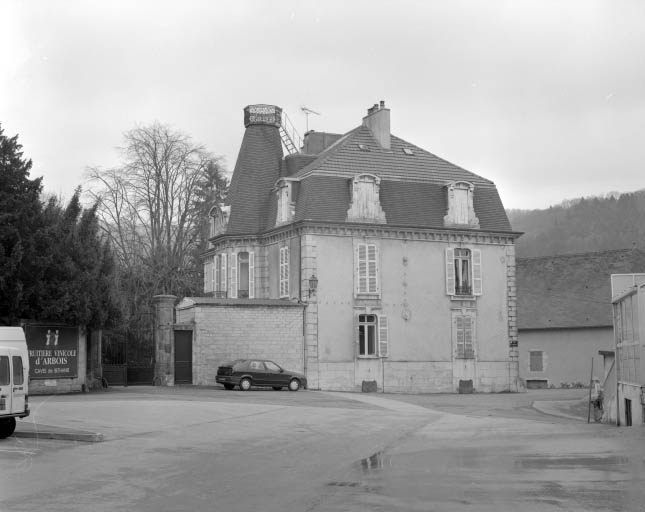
x: 271, y: 366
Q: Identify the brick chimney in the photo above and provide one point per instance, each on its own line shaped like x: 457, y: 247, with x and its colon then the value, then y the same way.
x: 378, y: 121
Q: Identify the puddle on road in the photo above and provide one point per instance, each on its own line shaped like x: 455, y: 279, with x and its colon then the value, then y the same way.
x: 375, y: 462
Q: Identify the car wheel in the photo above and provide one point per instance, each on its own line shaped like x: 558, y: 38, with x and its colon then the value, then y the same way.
x: 245, y: 384
x: 7, y: 426
x: 294, y: 385
x: 277, y: 388
x: 228, y: 386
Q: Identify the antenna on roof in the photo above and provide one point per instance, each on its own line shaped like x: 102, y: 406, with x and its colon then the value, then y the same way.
x: 308, y: 111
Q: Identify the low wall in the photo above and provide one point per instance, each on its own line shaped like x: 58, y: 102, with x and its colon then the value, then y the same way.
x: 230, y: 329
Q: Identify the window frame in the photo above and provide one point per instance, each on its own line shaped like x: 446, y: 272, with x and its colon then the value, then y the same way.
x: 367, y: 282
x: 475, y: 275
x: 459, y: 334
x: 379, y: 331
x: 284, y: 272
x: 18, y: 373
x: 542, y: 360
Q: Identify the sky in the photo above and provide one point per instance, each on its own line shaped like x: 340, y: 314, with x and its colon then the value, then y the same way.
x: 546, y: 98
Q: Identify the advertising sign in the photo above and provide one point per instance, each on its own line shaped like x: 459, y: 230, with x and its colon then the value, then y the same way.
x: 53, y: 351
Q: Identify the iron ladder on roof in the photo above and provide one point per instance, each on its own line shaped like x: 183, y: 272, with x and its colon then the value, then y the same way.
x: 290, y: 137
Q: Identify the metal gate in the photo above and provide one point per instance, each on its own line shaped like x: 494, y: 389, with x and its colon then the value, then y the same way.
x: 183, y: 357
x: 114, y: 359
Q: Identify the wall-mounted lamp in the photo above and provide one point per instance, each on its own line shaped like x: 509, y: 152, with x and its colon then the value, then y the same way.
x: 313, y: 285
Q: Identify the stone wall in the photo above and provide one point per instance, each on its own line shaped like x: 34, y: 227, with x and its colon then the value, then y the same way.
x: 259, y: 329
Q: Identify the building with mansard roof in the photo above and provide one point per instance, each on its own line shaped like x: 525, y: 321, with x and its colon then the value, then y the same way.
x: 400, y: 265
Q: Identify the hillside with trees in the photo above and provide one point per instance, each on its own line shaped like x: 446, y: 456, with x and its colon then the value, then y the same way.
x: 613, y: 221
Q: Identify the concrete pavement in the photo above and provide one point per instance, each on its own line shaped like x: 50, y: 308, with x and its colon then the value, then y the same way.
x: 54, y: 416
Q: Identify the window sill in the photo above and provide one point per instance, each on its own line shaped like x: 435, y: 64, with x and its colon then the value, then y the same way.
x: 367, y: 296
x: 368, y: 357
x: 471, y: 298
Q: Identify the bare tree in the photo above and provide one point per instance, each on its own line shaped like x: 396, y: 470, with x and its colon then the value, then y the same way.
x: 152, y: 208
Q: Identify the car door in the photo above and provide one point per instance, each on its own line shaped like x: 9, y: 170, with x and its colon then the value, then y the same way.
x: 5, y: 384
x: 274, y: 374
x: 18, y: 387
x: 258, y: 373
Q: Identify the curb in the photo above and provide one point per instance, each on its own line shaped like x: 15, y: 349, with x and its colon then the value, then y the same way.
x: 47, y: 433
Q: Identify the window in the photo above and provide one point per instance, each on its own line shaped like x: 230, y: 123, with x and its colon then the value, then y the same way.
x: 461, y: 209
x: 242, y: 278
x: 284, y: 272
x: 463, y: 272
x: 18, y: 378
x: 373, y: 337
x: 365, y: 205
x: 5, y: 378
x: 285, y: 204
x: 367, y: 275
x: 536, y: 361
x: 220, y: 276
x: 464, y: 336
x: 219, y: 215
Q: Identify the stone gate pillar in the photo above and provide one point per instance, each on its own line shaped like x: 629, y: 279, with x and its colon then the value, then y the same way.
x: 163, y: 335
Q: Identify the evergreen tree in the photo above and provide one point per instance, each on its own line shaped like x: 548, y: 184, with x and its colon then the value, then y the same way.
x: 21, y: 256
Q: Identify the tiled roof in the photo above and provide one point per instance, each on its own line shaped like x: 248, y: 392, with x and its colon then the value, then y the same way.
x: 405, y: 203
x: 412, y: 183
x: 412, y: 187
x: 256, y: 171
x: 346, y: 158
x: 571, y: 290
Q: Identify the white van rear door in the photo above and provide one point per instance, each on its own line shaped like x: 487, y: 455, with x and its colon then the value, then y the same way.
x: 5, y: 384
x: 19, y: 388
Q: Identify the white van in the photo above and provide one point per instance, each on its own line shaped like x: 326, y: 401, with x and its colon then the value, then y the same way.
x: 14, y: 379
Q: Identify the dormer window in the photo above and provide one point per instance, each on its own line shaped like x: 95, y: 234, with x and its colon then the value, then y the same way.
x: 365, y: 203
x: 219, y: 215
x: 461, y: 211
x: 286, y: 207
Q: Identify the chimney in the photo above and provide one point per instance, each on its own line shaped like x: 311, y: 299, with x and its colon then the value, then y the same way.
x: 378, y: 121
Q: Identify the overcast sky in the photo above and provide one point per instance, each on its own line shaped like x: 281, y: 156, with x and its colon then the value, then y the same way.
x: 546, y: 98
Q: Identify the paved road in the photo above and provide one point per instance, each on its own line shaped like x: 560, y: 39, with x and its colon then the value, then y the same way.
x: 208, y: 449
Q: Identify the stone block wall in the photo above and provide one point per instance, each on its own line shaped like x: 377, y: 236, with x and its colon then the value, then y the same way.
x: 418, y: 377
x: 226, y: 332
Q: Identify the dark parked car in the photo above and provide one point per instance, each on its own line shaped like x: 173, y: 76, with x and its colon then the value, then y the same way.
x: 258, y: 372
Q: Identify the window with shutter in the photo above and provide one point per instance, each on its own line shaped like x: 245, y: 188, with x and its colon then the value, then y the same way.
x: 450, y: 271
x: 223, y: 276
x: 367, y: 271
x: 367, y: 335
x: 463, y: 272
x: 214, y: 275
x: 251, y: 288
x: 284, y: 272
x: 477, y: 271
x: 233, y: 282
x: 383, y: 336
x: 464, y: 336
